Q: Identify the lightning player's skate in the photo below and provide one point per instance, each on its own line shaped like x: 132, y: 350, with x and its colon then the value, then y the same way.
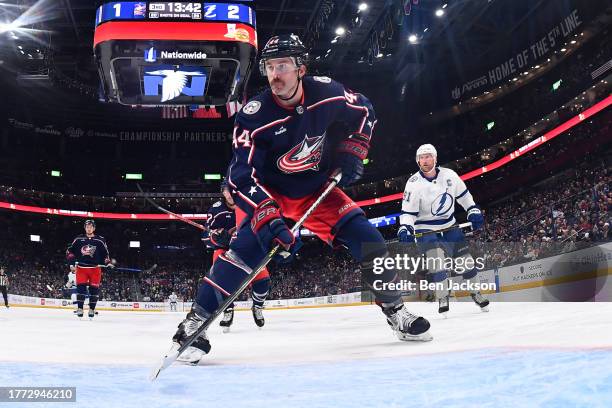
x: 76, y: 311
x: 91, y: 314
x: 79, y: 313
x: 228, y: 319
x: 258, y: 316
x: 200, y: 347
x: 480, y: 300
x: 407, y: 327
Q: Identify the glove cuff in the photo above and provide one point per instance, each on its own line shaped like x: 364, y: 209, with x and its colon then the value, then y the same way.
x: 266, y: 211
x: 357, y: 146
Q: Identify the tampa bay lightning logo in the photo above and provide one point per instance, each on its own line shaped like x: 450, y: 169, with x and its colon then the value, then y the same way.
x: 442, y: 204
x: 306, y: 155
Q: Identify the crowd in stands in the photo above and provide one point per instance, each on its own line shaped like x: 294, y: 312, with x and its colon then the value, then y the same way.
x: 567, y: 212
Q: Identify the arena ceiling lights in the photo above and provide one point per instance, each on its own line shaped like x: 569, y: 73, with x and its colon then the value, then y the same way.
x: 23, y: 24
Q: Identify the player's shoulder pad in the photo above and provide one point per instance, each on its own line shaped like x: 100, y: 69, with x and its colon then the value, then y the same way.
x: 446, y: 172
x: 252, y: 114
x: 414, y: 178
x: 323, y: 87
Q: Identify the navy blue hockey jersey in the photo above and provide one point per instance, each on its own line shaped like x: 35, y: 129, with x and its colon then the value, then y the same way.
x: 219, y: 216
x: 88, y: 251
x: 289, y: 151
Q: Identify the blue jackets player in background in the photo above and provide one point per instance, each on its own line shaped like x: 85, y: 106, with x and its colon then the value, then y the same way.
x: 283, y: 157
x: 222, y: 223
x: 429, y: 205
x: 86, y: 253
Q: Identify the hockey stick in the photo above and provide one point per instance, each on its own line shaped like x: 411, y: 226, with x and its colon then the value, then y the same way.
x: 174, y: 352
x: 170, y: 213
x: 422, y: 234
x: 118, y: 268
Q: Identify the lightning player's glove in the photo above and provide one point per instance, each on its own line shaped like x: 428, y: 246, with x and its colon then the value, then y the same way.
x: 474, y: 216
x: 349, y: 158
x: 406, y: 233
x: 220, y: 238
x: 268, y: 225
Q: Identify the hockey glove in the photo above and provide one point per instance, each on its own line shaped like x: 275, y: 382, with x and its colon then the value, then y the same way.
x: 406, y: 233
x: 286, y: 257
x: 474, y: 216
x: 220, y: 238
x: 349, y: 158
x: 269, y: 227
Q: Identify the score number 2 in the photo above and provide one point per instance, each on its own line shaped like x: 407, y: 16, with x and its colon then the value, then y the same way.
x: 232, y: 11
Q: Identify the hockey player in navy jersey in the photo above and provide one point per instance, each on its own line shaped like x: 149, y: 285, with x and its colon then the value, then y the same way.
x: 222, y: 222
x: 86, y: 253
x: 429, y: 205
x: 284, y: 154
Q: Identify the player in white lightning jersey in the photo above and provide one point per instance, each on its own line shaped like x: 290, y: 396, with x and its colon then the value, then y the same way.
x: 172, y: 299
x: 429, y: 205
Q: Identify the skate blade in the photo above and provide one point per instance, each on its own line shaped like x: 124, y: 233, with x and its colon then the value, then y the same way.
x: 414, y: 337
x: 226, y: 330
x: 165, y: 362
x: 484, y: 309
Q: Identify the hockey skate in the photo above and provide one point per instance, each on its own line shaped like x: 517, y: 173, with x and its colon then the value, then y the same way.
x: 79, y: 312
x: 480, y: 300
x: 407, y: 327
x: 76, y: 311
x: 91, y: 314
x: 443, y: 305
x: 258, y: 316
x: 199, y: 347
x: 228, y: 319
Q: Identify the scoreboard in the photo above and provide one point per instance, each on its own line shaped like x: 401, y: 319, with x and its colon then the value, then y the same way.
x: 188, y: 11
x: 175, y: 53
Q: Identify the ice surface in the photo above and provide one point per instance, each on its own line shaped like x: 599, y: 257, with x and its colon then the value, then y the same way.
x: 519, y: 355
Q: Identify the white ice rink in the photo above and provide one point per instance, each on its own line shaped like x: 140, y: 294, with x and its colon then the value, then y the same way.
x: 518, y: 355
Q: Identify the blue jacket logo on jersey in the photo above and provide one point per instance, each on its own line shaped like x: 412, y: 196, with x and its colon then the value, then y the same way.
x: 442, y: 204
x: 304, y: 156
x: 88, y: 250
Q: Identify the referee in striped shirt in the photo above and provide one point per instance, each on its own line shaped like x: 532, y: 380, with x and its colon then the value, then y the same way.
x: 4, y: 281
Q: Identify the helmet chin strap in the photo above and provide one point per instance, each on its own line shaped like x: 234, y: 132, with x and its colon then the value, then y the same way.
x: 297, y: 86
x: 433, y: 168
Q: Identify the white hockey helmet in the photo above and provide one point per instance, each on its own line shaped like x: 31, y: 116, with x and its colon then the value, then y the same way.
x: 426, y: 149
